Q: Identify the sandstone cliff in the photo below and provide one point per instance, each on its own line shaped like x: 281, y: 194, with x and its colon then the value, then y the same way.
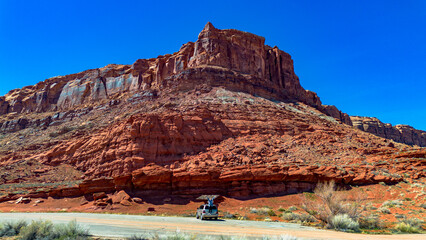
x: 234, y: 59
x: 399, y: 133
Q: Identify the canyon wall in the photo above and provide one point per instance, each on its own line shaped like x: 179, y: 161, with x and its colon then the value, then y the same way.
x: 399, y: 133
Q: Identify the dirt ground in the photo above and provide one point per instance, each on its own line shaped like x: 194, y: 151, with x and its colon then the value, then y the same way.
x: 410, y: 199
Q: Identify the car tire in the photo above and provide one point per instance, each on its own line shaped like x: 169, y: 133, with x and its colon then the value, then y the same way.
x: 201, y: 218
x: 196, y: 216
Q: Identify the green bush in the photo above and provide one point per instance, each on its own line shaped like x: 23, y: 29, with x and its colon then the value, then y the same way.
x: 406, y: 228
x: 412, y: 225
x: 370, y: 222
x: 37, y: 230
x: 343, y: 222
x: 12, y: 228
x: 281, y: 209
x: 271, y: 213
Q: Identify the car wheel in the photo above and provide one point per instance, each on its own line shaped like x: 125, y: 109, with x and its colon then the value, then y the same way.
x: 201, y: 218
x: 196, y: 216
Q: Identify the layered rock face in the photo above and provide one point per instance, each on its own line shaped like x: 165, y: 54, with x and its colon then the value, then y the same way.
x: 226, y: 142
x: 234, y: 59
x: 223, y: 115
x: 399, y: 133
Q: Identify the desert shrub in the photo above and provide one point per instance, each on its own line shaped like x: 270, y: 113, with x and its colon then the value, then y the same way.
x: 331, y: 203
x: 289, y: 216
x: 262, y: 211
x: 406, y: 228
x: 37, y: 230
x: 384, y: 210
x: 412, y: 225
x: 70, y: 231
x: 43, y: 230
x: 343, y: 222
x: 12, y: 228
x: 392, y: 203
x: 137, y: 237
x: 229, y: 215
x: 370, y: 222
x: 281, y: 209
x: 179, y: 236
x: 271, y: 213
x: 306, y: 218
x: 292, y: 208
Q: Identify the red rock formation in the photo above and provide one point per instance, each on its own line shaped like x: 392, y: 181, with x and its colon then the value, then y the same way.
x: 399, y: 133
x: 234, y: 59
x: 224, y: 115
x: 139, y: 141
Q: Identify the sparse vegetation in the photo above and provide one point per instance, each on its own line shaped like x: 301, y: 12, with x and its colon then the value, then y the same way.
x: 384, y: 210
x: 302, y: 218
x: 370, y: 222
x: 331, y: 204
x: 392, y: 203
x: 345, y: 223
x: 289, y: 216
x: 10, y: 228
x: 413, y: 225
x: 182, y: 236
x: 45, y: 230
x: 263, y: 211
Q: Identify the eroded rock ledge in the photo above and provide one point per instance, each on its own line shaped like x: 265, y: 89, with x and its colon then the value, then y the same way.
x: 399, y: 133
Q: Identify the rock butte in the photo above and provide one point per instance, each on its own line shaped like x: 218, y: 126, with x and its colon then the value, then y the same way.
x: 224, y: 115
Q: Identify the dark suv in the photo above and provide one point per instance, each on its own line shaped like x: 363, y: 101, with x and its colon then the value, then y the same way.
x: 207, y: 211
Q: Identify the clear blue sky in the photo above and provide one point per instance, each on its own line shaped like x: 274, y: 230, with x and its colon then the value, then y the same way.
x: 366, y: 57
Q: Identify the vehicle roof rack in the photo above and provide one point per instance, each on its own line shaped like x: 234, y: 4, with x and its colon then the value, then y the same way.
x: 207, y: 197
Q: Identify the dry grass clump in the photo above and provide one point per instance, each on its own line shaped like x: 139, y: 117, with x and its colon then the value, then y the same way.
x: 263, y: 211
x: 45, y: 230
x: 332, y: 207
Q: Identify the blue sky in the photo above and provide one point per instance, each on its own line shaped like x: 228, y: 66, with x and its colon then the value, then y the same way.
x: 366, y: 57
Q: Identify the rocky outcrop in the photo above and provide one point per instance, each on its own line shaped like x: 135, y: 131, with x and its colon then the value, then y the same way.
x: 234, y: 59
x: 399, y: 133
x: 334, y: 112
x: 139, y: 141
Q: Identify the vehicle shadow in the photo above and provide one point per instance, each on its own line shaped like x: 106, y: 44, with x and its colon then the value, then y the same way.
x: 215, y: 220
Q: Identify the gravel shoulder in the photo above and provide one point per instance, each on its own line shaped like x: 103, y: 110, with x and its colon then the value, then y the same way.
x: 115, y: 225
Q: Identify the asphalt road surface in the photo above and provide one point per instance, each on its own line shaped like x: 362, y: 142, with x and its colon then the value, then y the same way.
x: 121, y: 226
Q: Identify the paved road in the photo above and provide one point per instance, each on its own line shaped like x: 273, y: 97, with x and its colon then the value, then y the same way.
x: 113, y: 225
